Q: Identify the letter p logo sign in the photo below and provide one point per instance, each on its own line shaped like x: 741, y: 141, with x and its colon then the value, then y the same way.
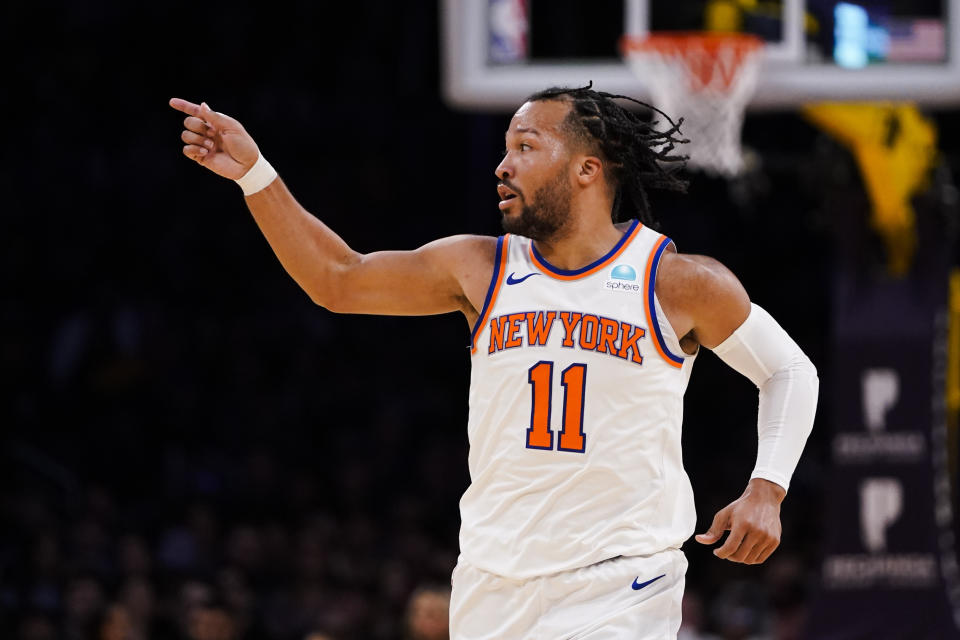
x: 881, y: 390
x: 881, y: 502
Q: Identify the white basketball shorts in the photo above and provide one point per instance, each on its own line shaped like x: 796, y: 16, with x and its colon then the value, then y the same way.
x: 635, y: 598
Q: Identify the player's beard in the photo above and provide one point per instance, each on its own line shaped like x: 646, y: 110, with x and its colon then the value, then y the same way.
x: 546, y: 213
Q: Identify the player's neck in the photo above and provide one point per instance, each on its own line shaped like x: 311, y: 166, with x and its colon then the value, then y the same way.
x: 586, y: 239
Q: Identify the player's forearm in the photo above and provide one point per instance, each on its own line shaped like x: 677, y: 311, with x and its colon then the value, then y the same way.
x: 309, y: 250
x: 788, y: 402
x: 762, y: 351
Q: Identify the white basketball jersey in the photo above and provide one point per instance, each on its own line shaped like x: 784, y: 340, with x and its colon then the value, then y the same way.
x: 576, y: 404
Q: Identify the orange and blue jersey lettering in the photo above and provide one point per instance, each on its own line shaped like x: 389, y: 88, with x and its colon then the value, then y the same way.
x: 513, y: 330
x: 588, y: 331
x: 496, y: 333
x: 609, y: 332
x: 628, y: 341
x: 570, y: 321
x: 539, y: 325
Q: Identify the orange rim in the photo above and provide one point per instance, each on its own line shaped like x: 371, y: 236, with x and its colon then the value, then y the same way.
x: 681, y: 41
x: 699, y: 52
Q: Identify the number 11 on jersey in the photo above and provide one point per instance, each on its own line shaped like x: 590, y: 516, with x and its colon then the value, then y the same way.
x: 574, y: 381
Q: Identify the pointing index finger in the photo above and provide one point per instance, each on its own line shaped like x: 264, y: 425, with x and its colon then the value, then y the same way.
x: 185, y: 106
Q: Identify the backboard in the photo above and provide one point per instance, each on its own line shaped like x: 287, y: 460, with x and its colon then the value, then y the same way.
x: 496, y: 52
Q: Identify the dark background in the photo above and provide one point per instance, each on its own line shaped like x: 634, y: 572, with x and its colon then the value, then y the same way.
x: 178, y: 415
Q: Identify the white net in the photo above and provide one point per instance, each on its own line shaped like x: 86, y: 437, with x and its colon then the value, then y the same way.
x: 708, y: 81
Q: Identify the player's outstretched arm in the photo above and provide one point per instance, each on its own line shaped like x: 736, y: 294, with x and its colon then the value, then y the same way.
x: 708, y: 306
x: 447, y: 275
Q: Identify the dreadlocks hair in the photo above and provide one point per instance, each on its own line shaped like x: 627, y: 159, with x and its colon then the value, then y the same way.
x: 638, y: 156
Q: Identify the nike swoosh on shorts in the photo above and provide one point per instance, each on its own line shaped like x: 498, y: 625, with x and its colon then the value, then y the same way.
x: 637, y: 586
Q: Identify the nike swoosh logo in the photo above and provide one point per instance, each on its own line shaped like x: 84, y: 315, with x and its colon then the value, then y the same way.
x: 512, y: 280
x: 637, y: 586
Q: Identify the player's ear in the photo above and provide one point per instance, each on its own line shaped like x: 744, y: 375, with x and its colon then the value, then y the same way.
x: 589, y: 170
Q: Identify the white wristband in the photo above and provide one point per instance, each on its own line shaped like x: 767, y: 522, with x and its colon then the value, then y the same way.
x: 260, y: 175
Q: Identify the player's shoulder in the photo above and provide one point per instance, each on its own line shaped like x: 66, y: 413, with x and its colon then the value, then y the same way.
x: 470, y: 260
x: 693, y: 269
x: 692, y: 279
x: 701, y: 297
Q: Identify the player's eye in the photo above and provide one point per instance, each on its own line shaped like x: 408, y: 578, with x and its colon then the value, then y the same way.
x: 524, y: 146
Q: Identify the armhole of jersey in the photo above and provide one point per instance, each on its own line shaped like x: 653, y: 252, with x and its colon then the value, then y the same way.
x: 653, y: 322
x: 499, y: 262
x: 670, y: 340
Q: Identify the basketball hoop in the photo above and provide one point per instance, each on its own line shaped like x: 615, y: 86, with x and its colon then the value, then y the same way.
x: 705, y: 78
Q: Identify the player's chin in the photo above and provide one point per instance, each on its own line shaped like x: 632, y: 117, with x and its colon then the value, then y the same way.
x: 511, y: 216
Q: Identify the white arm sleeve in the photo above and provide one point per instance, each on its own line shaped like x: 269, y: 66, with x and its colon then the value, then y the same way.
x: 762, y: 351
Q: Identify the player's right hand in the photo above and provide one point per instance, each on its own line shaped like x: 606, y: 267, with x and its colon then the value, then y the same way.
x: 753, y: 521
x: 216, y: 140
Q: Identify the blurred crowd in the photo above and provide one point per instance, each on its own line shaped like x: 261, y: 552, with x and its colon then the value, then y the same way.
x: 115, y: 569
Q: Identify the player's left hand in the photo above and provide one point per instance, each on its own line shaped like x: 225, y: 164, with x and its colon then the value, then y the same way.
x: 753, y: 521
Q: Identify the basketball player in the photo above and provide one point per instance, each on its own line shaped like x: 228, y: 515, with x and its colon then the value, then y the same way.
x: 584, y: 333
